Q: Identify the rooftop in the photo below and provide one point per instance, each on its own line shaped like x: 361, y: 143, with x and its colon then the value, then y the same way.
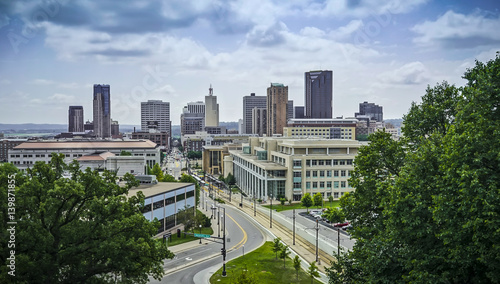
x: 128, y: 144
x: 151, y: 190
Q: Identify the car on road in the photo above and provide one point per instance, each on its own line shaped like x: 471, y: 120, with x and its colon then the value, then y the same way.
x: 340, y: 225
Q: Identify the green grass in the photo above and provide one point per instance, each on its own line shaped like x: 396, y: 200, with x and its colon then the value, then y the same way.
x: 278, y: 207
x: 262, y: 267
x: 188, y: 238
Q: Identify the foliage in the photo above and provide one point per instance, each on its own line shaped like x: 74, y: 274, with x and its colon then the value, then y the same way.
x: 194, y: 155
x: 277, y: 245
x: 190, y: 179
x: 318, y: 199
x: 168, y: 178
x: 230, y: 180
x: 78, y: 229
x: 284, y: 253
x: 330, y: 199
x: 282, y: 201
x: 245, y: 277
x: 312, y: 271
x: 186, y: 216
x: 425, y: 209
x: 307, y: 201
x: 125, y: 153
x: 334, y: 215
x: 157, y: 172
x: 296, y: 265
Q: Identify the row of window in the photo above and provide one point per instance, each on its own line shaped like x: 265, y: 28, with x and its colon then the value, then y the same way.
x: 310, y: 163
x: 328, y: 194
x: 168, y: 201
x: 66, y: 155
x: 324, y: 173
x: 323, y: 184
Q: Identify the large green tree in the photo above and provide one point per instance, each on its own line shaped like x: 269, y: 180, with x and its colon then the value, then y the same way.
x: 318, y: 199
x: 427, y: 209
x: 157, y: 172
x: 190, y: 179
x: 83, y: 229
x: 307, y: 201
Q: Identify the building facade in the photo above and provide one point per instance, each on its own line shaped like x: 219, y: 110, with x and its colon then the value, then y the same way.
x: 298, y: 112
x: 193, y: 118
x: 259, y: 121
x: 277, y: 102
x: 160, y: 138
x: 156, y: 114
x: 6, y: 145
x: 249, y: 103
x: 75, y: 119
x: 102, y: 111
x: 27, y: 154
x: 371, y: 110
x: 318, y: 94
x: 289, y: 168
x: 336, y: 128
x: 211, y: 109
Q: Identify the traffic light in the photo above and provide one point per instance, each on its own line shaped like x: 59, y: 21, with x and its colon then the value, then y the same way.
x: 223, y: 252
x: 178, y: 233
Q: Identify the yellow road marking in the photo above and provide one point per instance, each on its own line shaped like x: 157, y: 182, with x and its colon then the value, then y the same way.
x: 245, y: 236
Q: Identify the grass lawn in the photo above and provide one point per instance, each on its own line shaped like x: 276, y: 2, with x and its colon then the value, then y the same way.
x: 187, y: 238
x: 263, y: 268
x: 278, y: 207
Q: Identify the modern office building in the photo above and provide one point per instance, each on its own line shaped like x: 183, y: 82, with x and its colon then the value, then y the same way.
x: 277, y: 110
x: 164, y: 200
x: 259, y: 121
x: 290, y: 167
x: 75, y: 119
x: 27, y: 154
x: 115, y: 129
x: 318, y: 94
x: 299, y: 112
x: 211, y: 109
x: 195, y: 142
x: 289, y: 110
x: 156, y: 114
x: 249, y: 103
x: 102, y: 111
x: 193, y: 118
x: 160, y: 138
x: 6, y: 145
x: 337, y: 128
x: 371, y: 110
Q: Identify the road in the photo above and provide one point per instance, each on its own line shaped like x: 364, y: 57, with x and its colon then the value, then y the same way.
x: 240, y: 232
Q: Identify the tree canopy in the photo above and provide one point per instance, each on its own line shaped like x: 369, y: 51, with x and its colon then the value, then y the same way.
x: 78, y: 229
x: 427, y: 209
x: 307, y: 201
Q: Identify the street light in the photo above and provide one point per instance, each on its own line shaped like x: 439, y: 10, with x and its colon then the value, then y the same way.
x: 200, y: 234
x: 243, y: 247
x: 271, y: 213
x: 224, y: 247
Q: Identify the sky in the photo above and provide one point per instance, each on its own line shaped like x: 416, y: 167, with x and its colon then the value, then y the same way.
x: 385, y: 52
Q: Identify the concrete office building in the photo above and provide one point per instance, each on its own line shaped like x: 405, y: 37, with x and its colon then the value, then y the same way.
x: 289, y: 110
x: 75, y: 119
x: 135, y: 165
x: 160, y: 138
x: 102, y: 111
x: 26, y: 154
x: 277, y: 113
x: 6, y: 145
x: 337, y: 128
x: 156, y: 114
x: 370, y: 110
x: 298, y: 112
x: 164, y: 200
x: 249, y: 103
x: 192, y: 118
x: 318, y: 94
x: 259, y: 121
x: 211, y: 109
x: 291, y: 167
x: 195, y: 142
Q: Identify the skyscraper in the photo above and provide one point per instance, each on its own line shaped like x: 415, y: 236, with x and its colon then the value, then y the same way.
x: 371, y: 110
x: 75, y: 119
x: 102, y: 111
x: 318, y: 94
x: 192, y: 118
x: 277, y: 102
x: 156, y: 114
x: 249, y: 103
x: 211, y: 109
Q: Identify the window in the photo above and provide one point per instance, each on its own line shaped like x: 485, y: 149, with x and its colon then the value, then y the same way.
x: 342, y: 184
x: 308, y: 163
x: 321, y: 173
x: 335, y: 173
x: 329, y: 185
x: 335, y: 184
x: 308, y: 185
x: 321, y: 162
x: 328, y: 162
x: 297, y: 174
x: 342, y: 173
x: 314, y: 162
x: 297, y: 185
x: 349, y: 162
x: 349, y: 173
x: 335, y: 195
x: 315, y: 184
x: 329, y: 173
x: 335, y: 162
x: 341, y: 162
x: 321, y: 184
x: 315, y: 173
x: 308, y: 174
x: 297, y: 163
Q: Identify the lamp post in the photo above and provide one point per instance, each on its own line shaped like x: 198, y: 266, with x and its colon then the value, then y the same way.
x: 243, y: 247
x: 317, y: 229
x: 200, y: 234
x: 254, y: 207
x: 271, y: 213
x: 224, y: 247
x: 293, y: 226
x: 218, y: 222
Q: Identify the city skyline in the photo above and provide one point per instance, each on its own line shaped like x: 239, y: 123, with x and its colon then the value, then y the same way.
x: 382, y: 53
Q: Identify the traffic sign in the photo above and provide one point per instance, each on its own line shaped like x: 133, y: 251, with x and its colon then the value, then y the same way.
x: 202, y: 236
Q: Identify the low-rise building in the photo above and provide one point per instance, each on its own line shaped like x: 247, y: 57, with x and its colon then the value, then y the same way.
x: 290, y: 167
x: 338, y: 128
x: 6, y: 145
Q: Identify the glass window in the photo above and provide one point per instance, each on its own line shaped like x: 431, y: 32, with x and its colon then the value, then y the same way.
x: 321, y: 173
x: 315, y: 173
x: 297, y: 174
x: 321, y: 184
x: 329, y: 173
x: 349, y: 162
x: 321, y: 162
x: 335, y: 184
x: 315, y: 184
x: 342, y: 184
x: 297, y: 163
x: 341, y: 162
x: 328, y: 184
x: 297, y: 185
x: 314, y: 162
x: 308, y: 185
x: 342, y: 173
x: 335, y: 195
x: 335, y: 162
x: 308, y: 174
x: 328, y: 162
x: 335, y: 173
x: 308, y: 163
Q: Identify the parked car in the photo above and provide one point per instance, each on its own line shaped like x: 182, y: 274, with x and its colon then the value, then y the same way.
x: 346, y: 228
x: 340, y: 225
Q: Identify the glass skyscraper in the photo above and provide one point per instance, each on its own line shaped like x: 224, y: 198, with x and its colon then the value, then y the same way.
x: 318, y: 94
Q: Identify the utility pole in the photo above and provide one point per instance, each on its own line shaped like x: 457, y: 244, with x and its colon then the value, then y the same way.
x: 317, y: 229
x: 254, y: 207
x: 271, y: 213
x: 218, y: 222
x: 338, y: 241
x: 293, y: 226
x: 224, y: 246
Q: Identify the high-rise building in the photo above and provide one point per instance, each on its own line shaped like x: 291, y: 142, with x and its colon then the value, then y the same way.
x: 249, y: 103
x: 102, y: 111
x: 259, y: 121
x: 289, y: 110
x: 277, y: 102
x: 193, y: 118
x: 156, y: 114
x: 318, y: 94
x: 371, y: 110
x: 75, y: 119
x: 211, y: 109
x: 299, y: 112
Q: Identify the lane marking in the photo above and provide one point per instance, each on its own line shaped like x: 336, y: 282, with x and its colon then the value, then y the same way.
x: 245, y: 236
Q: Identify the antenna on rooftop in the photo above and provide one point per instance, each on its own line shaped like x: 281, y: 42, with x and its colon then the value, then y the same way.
x: 210, y: 90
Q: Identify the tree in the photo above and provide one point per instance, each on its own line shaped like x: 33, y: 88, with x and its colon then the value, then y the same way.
x: 157, y: 172
x: 186, y: 216
x: 307, y: 201
x: 334, y: 215
x: 194, y: 155
x: 284, y: 253
x: 230, y: 180
x: 245, y: 277
x: 277, y: 245
x: 190, y: 179
x: 282, y: 201
x: 318, y: 199
x: 296, y: 265
x: 312, y: 271
x: 125, y: 153
x: 168, y: 178
x: 78, y: 229
x: 330, y: 199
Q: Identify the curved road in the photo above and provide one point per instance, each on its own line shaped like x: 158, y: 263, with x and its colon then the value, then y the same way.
x: 240, y: 231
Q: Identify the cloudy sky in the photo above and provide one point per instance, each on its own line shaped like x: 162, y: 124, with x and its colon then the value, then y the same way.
x: 386, y: 52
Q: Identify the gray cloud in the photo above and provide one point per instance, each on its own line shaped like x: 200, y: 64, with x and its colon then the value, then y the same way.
x: 113, y: 52
x: 267, y: 36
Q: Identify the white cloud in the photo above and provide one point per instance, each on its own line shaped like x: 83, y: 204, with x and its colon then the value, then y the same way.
x: 62, y: 98
x: 361, y: 9
x: 409, y: 74
x: 455, y: 30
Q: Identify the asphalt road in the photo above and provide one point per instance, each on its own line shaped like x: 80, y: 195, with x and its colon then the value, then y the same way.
x: 242, y: 234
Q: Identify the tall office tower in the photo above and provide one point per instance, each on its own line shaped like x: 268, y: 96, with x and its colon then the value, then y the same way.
x: 371, y: 110
x: 289, y: 110
x: 277, y: 101
x: 259, y: 121
x: 156, y: 114
x: 249, y: 103
x: 192, y: 118
x: 75, y: 119
x: 299, y: 112
x: 211, y: 109
x: 102, y: 111
x: 318, y: 94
